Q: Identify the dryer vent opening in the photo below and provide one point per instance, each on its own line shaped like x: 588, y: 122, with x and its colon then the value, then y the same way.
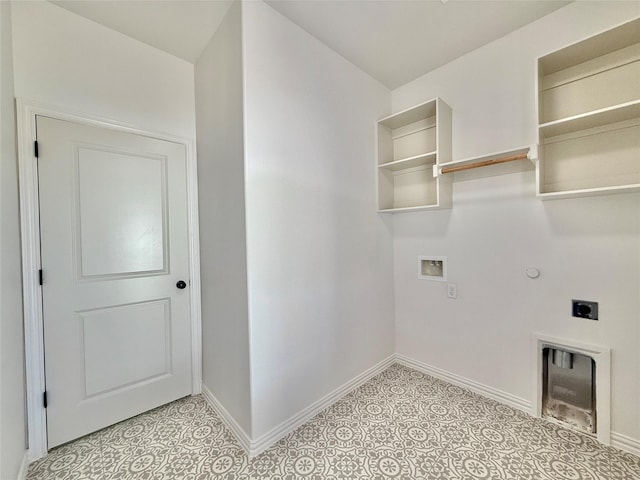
x: 568, y: 393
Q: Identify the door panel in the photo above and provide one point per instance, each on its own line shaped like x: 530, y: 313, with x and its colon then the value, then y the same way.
x: 113, y: 238
x: 114, y: 362
x: 114, y: 244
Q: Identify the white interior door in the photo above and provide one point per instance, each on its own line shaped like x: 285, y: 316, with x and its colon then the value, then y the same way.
x: 117, y: 332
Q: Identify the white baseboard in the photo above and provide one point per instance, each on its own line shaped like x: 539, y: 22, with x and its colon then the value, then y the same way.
x: 625, y: 443
x: 259, y: 445
x: 243, y: 439
x: 484, y: 390
x: 24, y: 466
x: 618, y: 440
x: 265, y: 441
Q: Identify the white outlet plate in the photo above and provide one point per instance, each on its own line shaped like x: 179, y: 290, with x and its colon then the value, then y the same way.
x: 452, y: 290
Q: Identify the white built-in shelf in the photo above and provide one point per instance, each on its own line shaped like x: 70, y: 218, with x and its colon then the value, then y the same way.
x: 415, y: 161
x: 589, y: 116
x: 409, y: 144
x: 588, y: 120
x: 591, y: 192
x: 409, y: 209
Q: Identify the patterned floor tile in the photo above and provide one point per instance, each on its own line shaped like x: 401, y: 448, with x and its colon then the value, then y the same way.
x: 555, y: 436
x: 553, y: 466
x: 489, y: 437
x: 388, y: 463
x: 309, y: 435
x: 400, y: 425
x: 76, y: 460
x: 305, y: 463
x: 144, y: 461
x: 206, y: 464
x: 203, y: 434
x: 624, y: 466
x: 471, y: 463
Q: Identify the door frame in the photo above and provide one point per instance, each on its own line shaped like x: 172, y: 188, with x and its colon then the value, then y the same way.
x: 27, y: 110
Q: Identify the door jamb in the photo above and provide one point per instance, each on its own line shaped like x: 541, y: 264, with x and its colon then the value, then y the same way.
x: 30, y: 231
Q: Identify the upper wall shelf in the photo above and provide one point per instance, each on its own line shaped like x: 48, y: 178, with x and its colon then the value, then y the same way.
x: 409, y: 144
x: 415, y: 161
x: 597, y: 118
x: 589, y: 116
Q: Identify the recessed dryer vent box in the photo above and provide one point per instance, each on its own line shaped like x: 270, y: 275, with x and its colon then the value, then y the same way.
x: 432, y: 268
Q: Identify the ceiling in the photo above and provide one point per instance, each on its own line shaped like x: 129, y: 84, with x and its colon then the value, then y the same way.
x: 179, y: 27
x: 394, y: 41
x: 398, y: 41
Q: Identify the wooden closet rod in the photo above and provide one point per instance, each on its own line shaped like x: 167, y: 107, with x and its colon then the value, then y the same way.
x: 484, y: 163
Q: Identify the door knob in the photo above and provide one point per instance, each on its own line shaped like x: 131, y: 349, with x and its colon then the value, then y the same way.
x: 181, y: 284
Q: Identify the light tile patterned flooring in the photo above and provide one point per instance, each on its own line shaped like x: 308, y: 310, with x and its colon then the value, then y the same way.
x: 401, y: 424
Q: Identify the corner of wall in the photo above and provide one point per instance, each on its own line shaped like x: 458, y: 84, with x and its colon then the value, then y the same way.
x: 220, y: 145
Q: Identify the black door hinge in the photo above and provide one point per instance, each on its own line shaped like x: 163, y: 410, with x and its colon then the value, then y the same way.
x: 40, y: 276
x: 35, y: 148
x: 44, y: 399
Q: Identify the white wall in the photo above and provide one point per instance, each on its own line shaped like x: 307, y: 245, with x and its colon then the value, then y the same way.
x: 319, y: 256
x: 225, y: 321
x: 585, y: 248
x: 12, y: 400
x: 64, y: 59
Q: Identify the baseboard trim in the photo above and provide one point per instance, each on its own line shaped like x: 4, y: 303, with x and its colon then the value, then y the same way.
x: 241, y: 436
x: 484, y: 390
x: 268, y: 439
x: 625, y: 443
x: 256, y: 447
x: 24, y: 466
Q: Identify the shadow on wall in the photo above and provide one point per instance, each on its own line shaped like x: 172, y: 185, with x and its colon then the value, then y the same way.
x: 432, y: 224
x: 604, y: 216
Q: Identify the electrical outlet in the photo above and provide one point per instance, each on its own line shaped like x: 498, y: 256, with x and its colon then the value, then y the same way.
x: 584, y: 309
x: 452, y: 290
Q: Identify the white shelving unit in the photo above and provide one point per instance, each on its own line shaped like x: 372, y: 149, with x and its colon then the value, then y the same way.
x: 589, y: 116
x: 409, y: 144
